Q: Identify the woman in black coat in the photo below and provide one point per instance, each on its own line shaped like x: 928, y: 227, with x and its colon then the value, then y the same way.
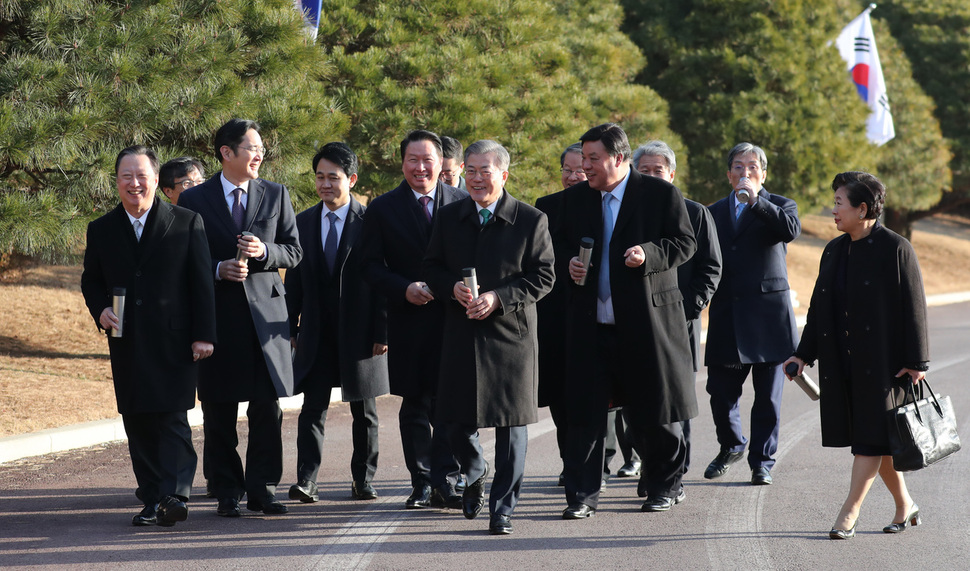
x: 867, y: 328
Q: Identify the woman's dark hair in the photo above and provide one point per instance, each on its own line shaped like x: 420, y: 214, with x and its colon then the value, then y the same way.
x: 862, y: 187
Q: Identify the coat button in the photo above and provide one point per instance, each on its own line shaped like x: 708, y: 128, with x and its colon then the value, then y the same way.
x: 137, y: 302
x: 138, y: 274
x: 734, y: 248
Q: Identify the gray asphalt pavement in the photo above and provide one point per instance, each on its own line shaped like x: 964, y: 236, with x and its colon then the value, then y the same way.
x: 73, y: 509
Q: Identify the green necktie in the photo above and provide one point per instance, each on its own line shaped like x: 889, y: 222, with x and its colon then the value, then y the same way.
x: 486, y: 216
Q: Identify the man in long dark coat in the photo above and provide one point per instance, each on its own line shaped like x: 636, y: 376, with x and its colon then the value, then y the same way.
x: 488, y: 369
x: 396, y: 232
x: 338, y: 327
x: 156, y: 252
x: 254, y: 362
x: 626, y: 337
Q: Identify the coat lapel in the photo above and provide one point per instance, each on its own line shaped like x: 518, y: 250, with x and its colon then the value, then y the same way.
x: 160, y: 221
x: 256, y: 192
x: 350, y: 233
x: 214, y: 195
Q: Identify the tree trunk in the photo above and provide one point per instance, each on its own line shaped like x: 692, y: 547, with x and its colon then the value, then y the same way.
x: 900, y: 222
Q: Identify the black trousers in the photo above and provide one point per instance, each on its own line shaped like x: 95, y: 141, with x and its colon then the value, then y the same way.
x: 624, y: 439
x: 511, y: 444
x: 264, y: 454
x: 162, y: 456
x: 662, y: 447
x: 310, y: 436
x: 427, y: 453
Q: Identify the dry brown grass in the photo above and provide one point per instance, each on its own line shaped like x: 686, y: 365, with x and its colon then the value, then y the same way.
x: 54, y: 367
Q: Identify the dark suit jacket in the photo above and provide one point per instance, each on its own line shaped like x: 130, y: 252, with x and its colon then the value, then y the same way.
x: 313, y: 294
x: 488, y: 372
x: 751, y: 316
x: 655, y: 370
x: 250, y: 315
x: 169, y: 303
x: 551, y: 311
x: 886, y: 325
x: 698, y: 277
x: 395, y: 237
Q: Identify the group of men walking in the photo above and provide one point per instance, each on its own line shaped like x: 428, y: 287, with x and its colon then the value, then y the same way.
x: 472, y: 306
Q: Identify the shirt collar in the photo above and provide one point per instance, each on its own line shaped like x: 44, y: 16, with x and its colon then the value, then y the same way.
x: 418, y: 195
x: 143, y: 218
x: 620, y: 189
x: 228, y: 187
x: 490, y: 207
x: 340, y: 212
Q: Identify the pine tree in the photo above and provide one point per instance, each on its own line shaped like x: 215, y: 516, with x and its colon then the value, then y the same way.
x: 757, y: 71
x: 82, y: 79
x: 533, y: 75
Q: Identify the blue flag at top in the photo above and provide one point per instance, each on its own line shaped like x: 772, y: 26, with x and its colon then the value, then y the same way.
x: 311, y: 14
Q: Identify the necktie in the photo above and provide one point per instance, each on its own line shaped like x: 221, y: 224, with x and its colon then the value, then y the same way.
x: 604, y: 277
x: 486, y: 216
x: 741, y: 207
x: 424, y: 200
x: 238, y: 212
x: 330, y: 247
x: 138, y: 228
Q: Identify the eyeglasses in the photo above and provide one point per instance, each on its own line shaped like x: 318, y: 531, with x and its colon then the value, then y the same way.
x: 255, y: 149
x: 568, y: 173
x: 472, y: 173
x: 188, y: 183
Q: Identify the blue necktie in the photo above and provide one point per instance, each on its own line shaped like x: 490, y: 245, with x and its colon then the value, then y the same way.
x: 604, y: 277
x: 330, y: 247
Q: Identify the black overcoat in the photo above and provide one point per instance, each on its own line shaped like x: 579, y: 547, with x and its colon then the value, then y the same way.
x: 489, y: 373
x: 751, y: 319
x: 251, y: 316
x: 169, y: 303
x: 551, y: 311
x: 361, y: 317
x: 887, y: 331
x: 655, y: 367
x: 395, y: 238
x: 698, y: 277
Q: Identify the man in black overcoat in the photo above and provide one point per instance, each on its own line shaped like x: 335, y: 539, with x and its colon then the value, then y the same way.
x: 626, y: 337
x: 752, y: 323
x: 396, y: 232
x: 156, y: 252
x: 489, y: 374
x: 338, y: 326
x: 252, y: 233
x: 698, y: 277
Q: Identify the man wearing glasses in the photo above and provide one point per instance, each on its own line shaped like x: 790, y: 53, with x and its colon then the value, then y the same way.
x: 178, y: 175
x: 251, y: 230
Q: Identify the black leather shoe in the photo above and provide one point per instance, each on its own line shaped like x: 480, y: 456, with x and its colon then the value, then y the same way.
x: 268, y: 505
x: 843, y: 533
x: 420, y: 498
x: 662, y: 503
x: 228, y: 507
x: 760, y: 477
x: 628, y: 470
x: 719, y: 466
x: 305, y: 491
x: 912, y: 519
x: 209, y: 490
x: 147, y: 516
x: 461, y: 483
x: 363, y: 491
x: 562, y: 480
x: 473, y: 498
x: 444, y: 496
x: 578, y: 511
x: 171, y: 510
x: 500, y: 525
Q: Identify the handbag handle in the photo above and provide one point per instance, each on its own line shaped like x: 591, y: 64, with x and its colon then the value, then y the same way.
x: 911, y: 391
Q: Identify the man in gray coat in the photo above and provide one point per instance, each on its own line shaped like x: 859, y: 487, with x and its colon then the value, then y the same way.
x: 488, y: 375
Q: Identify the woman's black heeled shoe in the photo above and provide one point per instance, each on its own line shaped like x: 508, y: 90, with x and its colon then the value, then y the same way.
x: 843, y: 533
x: 912, y: 519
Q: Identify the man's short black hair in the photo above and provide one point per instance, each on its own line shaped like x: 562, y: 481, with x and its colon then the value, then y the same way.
x: 231, y: 135
x: 451, y: 149
x: 177, y: 168
x: 339, y: 154
x: 137, y: 150
x: 613, y: 138
x: 420, y: 135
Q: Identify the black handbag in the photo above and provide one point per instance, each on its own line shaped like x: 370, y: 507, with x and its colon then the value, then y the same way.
x: 924, y: 431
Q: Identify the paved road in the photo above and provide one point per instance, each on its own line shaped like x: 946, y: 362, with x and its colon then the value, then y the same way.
x: 73, y: 509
